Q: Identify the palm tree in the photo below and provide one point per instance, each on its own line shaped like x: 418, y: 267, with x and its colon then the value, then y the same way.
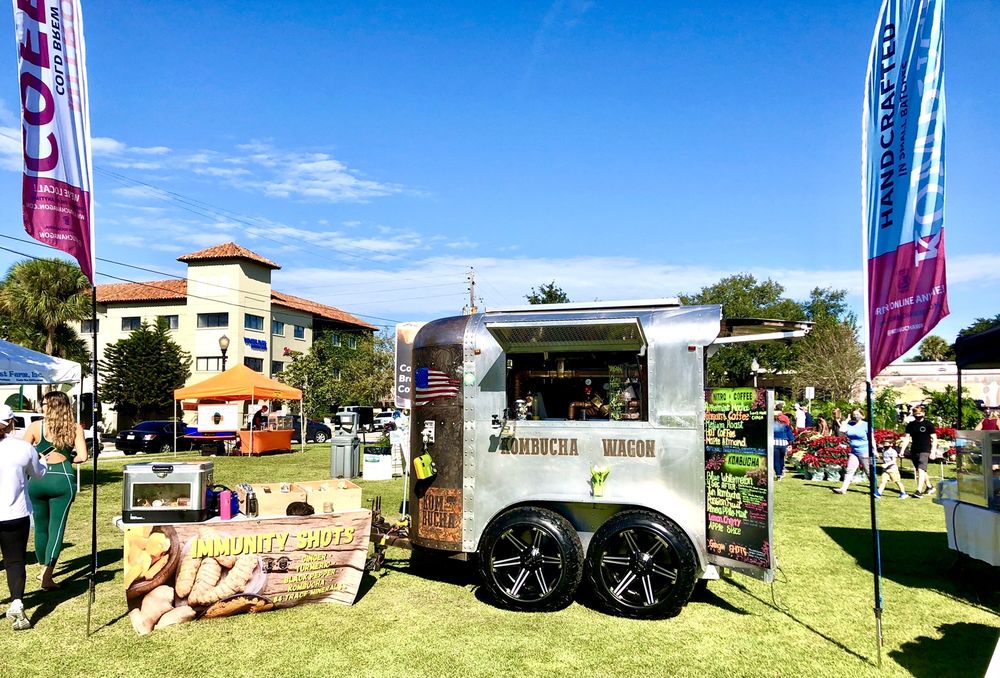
x: 41, y: 296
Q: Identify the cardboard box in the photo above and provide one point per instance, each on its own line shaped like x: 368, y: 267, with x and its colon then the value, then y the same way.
x: 271, y: 501
x: 335, y: 494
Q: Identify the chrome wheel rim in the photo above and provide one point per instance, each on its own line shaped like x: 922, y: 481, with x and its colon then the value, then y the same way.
x: 637, y: 567
x: 526, y: 562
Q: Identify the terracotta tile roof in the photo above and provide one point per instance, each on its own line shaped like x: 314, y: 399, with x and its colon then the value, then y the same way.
x: 154, y: 290
x: 328, y: 312
x: 229, y: 250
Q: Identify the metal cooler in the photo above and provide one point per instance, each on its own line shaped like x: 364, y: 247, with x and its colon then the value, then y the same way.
x: 166, y: 492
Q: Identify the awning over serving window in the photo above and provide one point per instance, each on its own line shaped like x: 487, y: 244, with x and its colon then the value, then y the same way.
x: 612, y: 334
x: 739, y: 330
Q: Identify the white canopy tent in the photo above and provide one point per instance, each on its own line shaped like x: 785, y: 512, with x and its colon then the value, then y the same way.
x: 21, y: 366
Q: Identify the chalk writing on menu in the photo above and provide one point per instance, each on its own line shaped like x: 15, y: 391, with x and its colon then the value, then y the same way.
x: 736, y: 476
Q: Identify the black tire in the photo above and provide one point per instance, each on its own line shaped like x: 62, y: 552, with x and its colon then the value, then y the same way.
x: 641, y: 565
x: 129, y: 453
x: 320, y: 437
x: 531, y: 560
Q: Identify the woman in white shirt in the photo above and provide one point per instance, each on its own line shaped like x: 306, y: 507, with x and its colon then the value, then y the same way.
x: 18, y: 462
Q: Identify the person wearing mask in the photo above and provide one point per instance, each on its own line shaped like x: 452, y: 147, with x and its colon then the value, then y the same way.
x: 19, y: 462
x: 59, y: 439
x: 923, y: 436
x: 856, y: 431
x: 783, y: 437
x: 890, y: 470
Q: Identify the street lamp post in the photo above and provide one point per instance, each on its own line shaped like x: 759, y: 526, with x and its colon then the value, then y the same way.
x: 224, y: 347
x: 755, y: 368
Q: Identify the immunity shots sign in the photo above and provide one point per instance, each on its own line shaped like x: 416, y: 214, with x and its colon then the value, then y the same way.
x: 184, y: 572
x: 738, y: 439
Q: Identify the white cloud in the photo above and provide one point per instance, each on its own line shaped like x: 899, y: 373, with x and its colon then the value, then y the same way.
x: 106, y: 146
x: 140, y: 192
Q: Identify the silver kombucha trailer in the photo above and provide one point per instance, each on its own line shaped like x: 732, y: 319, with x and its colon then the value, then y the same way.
x: 513, y: 409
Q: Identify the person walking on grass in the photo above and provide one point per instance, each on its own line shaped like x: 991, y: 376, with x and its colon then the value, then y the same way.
x: 923, y: 436
x: 890, y: 470
x: 783, y: 437
x: 18, y: 462
x: 59, y: 439
x: 856, y: 431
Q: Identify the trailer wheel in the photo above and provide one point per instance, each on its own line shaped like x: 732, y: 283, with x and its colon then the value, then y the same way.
x: 641, y: 565
x: 531, y: 560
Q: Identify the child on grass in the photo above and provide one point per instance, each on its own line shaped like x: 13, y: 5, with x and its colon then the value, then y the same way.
x: 890, y: 470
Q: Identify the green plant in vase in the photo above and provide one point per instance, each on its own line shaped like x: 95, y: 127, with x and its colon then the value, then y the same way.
x: 598, y: 475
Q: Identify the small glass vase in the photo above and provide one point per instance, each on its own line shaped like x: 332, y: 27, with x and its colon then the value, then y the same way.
x: 597, y: 489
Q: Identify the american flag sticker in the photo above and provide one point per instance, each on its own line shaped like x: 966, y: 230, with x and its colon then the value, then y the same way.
x: 432, y: 385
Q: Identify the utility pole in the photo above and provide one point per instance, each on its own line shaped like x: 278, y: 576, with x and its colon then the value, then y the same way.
x: 471, y: 308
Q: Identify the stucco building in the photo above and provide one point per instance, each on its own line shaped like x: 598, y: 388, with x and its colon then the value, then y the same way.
x: 227, y: 292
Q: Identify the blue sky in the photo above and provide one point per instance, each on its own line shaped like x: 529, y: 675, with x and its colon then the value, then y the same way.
x: 377, y: 150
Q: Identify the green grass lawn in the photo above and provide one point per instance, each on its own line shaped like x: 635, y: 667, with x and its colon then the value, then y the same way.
x: 940, y: 619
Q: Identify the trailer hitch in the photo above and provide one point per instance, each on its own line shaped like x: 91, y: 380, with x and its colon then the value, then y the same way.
x: 385, y: 533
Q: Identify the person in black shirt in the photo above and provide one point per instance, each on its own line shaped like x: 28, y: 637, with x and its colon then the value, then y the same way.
x: 259, y: 420
x: 923, y: 437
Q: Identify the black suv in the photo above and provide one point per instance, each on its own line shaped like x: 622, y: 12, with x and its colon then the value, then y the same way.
x: 316, y: 431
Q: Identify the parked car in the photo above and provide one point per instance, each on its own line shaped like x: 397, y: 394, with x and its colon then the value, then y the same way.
x: 152, y: 436
x: 385, y: 421
x: 316, y: 431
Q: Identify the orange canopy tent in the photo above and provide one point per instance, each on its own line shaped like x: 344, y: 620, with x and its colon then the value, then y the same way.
x: 239, y: 383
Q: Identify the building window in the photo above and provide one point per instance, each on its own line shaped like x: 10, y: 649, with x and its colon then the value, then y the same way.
x: 88, y: 326
x: 131, y: 323
x: 300, y: 332
x: 211, y: 364
x: 255, y: 364
x: 352, y: 341
x: 335, y: 339
x: 277, y: 366
x: 172, y: 321
x: 213, y: 320
x: 336, y: 374
x: 278, y: 328
x: 253, y: 322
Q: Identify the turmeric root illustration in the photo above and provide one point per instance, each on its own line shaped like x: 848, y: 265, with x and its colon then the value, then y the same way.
x: 208, y: 577
x: 186, y: 574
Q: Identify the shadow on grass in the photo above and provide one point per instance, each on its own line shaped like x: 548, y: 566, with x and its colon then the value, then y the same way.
x: 925, y: 656
x: 105, y: 476
x: 72, y: 576
x: 784, y: 611
x: 922, y: 560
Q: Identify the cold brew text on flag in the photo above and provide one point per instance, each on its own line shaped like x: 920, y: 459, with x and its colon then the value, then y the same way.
x: 55, y: 127
x: 903, y: 179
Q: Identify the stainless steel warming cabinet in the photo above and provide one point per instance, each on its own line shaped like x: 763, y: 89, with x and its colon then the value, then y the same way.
x: 156, y: 492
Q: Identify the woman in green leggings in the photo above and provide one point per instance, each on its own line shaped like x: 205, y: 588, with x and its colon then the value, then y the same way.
x: 59, y: 439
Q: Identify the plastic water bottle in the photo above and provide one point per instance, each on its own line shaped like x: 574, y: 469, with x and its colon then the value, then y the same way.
x: 225, y: 504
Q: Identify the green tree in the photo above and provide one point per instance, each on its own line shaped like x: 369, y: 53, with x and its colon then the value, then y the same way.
x: 368, y: 374
x: 830, y: 358
x: 942, y: 407
x: 933, y: 349
x: 547, y: 294
x: 331, y: 375
x: 741, y: 296
x: 884, y: 408
x: 140, y: 372
x: 980, y: 325
x: 42, y: 296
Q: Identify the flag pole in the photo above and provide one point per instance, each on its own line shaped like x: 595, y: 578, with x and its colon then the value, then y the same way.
x: 876, y: 542
x: 94, y: 408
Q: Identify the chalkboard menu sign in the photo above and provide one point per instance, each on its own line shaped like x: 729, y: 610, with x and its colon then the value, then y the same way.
x: 738, y: 439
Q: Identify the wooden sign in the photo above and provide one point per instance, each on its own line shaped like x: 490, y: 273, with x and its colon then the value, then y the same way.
x: 738, y: 435
x: 183, y: 572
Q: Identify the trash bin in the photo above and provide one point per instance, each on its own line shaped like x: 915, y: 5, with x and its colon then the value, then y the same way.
x: 378, y: 463
x: 345, y: 456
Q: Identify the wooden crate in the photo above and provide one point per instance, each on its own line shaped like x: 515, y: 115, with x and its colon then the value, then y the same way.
x: 271, y: 501
x: 340, y: 495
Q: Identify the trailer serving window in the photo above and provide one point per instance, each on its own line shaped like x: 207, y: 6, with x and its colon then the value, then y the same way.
x: 575, y: 370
